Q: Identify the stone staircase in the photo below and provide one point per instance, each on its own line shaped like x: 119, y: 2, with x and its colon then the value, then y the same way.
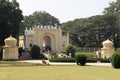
x: 50, y: 55
x: 46, y: 55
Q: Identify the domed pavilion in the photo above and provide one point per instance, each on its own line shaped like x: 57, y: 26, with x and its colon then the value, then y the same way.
x: 10, y: 50
x: 108, y: 49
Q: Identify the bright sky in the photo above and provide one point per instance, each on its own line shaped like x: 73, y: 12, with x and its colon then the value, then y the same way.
x: 65, y: 10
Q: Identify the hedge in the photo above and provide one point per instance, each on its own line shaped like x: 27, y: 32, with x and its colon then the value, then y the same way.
x: 106, y: 60
x: 91, y: 60
x: 62, y: 60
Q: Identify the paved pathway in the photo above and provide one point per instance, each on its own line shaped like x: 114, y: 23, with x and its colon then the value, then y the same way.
x: 99, y: 64
x: 55, y: 63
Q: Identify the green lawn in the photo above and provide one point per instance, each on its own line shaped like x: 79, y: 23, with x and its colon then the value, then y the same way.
x: 59, y: 73
x: 13, y: 62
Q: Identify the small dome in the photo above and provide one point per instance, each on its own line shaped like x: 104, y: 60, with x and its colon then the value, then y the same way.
x: 108, y: 44
x: 10, y: 41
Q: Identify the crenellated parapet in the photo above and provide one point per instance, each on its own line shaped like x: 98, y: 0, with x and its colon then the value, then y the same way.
x: 46, y: 27
x: 42, y: 27
x: 30, y: 31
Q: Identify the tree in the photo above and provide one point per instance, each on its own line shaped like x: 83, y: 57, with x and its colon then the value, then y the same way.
x: 10, y: 17
x: 92, y: 31
x: 113, y: 8
x: 41, y: 18
x: 70, y: 51
x: 20, y: 51
x: 75, y: 29
x: 35, y: 52
x: 114, y: 11
x: 1, y: 53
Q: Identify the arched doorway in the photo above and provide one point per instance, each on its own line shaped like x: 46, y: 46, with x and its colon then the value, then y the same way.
x: 47, y: 44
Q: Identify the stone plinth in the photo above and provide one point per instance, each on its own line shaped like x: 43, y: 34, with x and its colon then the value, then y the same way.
x: 10, y: 50
x: 108, y: 50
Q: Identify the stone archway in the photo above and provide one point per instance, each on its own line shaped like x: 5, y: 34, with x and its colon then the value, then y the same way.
x: 47, y: 43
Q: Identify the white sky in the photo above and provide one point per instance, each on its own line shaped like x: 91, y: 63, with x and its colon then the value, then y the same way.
x: 65, y: 10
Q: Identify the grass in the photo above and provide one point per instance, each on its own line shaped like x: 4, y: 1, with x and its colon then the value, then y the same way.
x: 59, y: 73
x: 14, y: 62
x: 11, y: 62
x: 17, y: 63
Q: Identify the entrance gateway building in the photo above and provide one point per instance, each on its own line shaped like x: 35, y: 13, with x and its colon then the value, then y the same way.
x: 48, y: 38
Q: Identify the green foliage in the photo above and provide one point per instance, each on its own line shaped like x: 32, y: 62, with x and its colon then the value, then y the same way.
x: 103, y: 27
x: 20, y: 50
x: 1, y: 53
x: 105, y: 60
x: 88, y: 54
x: 116, y: 60
x: 35, y: 52
x: 10, y: 18
x: 70, y: 50
x: 81, y: 59
x: 41, y: 18
x: 91, y: 60
x: 62, y: 60
x: 113, y: 10
x: 114, y: 7
x: 117, y: 51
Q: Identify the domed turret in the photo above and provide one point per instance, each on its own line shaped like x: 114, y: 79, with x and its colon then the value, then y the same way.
x: 10, y: 41
x: 107, y: 44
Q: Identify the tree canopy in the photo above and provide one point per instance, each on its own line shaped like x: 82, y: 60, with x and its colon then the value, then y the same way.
x: 114, y: 9
x: 92, y: 31
x: 41, y: 18
x: 10, y: 18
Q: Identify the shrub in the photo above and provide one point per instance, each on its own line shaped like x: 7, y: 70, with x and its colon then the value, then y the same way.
x: 35, y: 52
x: 70, y: 49
x: 105, y: 60
x: 117, y: 50
x: 81, y: 59
x: 116, y: 60
x: 62, y: 60
x: 88, y: 54
x: 20, y: 50
x: 1, y: 53
x: 93, y: 60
